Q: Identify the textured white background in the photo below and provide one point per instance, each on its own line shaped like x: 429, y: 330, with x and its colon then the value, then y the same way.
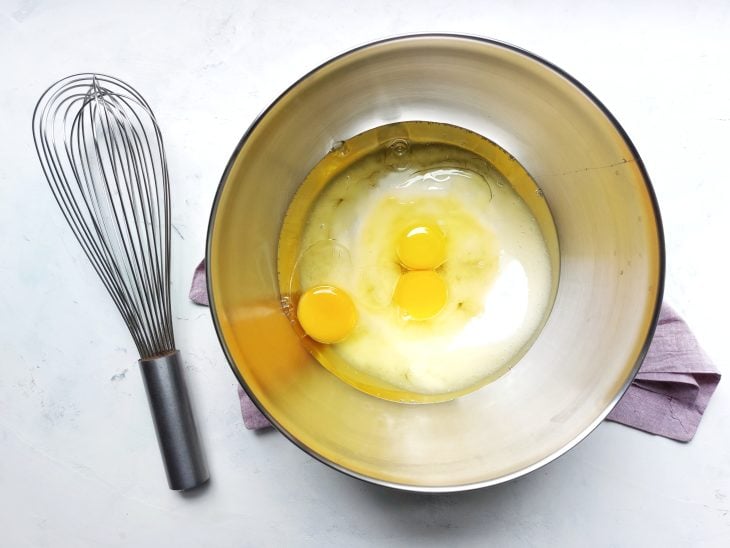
x: 79, y: 464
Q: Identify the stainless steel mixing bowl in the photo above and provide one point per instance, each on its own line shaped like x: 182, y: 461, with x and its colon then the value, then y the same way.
x: 611, y: 272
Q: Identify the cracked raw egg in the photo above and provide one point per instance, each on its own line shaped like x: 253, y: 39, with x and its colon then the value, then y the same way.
x: 424, y: 280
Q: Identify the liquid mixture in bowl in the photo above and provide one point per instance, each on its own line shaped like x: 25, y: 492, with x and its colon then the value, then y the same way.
x: 418, y: 261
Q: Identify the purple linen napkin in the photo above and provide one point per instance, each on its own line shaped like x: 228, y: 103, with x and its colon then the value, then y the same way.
x: 667, y: 397
x: 199, y: 288
x: 673, y: 387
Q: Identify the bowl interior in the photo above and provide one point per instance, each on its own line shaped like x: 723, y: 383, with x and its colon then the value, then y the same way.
x: 611, y: 263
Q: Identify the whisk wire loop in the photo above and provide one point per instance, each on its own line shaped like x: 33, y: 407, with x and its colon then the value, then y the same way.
x: 103, y: 155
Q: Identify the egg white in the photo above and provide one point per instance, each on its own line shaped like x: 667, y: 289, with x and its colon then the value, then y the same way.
x: 497, y: 271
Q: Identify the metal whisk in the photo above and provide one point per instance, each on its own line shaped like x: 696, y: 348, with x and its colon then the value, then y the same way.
x: 101, y: 150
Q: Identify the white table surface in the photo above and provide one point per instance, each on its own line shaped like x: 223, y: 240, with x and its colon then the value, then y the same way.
x: 79, y: 464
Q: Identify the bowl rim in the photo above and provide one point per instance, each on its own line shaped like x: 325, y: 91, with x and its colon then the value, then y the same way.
x: 661, y: 255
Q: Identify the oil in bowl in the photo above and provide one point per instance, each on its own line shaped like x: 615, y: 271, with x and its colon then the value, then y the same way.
x: 418, y: 261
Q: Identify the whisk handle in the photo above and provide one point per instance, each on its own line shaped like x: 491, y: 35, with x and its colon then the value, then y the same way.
x: 177, y: 435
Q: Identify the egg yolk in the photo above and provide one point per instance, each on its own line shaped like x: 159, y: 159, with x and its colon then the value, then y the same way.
x: 422, y: 247
x: 420, y: 294
x: 326, y: 313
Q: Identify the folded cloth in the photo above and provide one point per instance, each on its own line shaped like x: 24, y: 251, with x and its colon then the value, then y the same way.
x: 667, y: 397
x: 253, y: 419
x: 673, y: 387
x: 199, y: 288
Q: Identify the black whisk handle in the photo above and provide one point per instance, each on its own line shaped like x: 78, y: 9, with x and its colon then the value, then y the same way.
x: 177, y: 435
